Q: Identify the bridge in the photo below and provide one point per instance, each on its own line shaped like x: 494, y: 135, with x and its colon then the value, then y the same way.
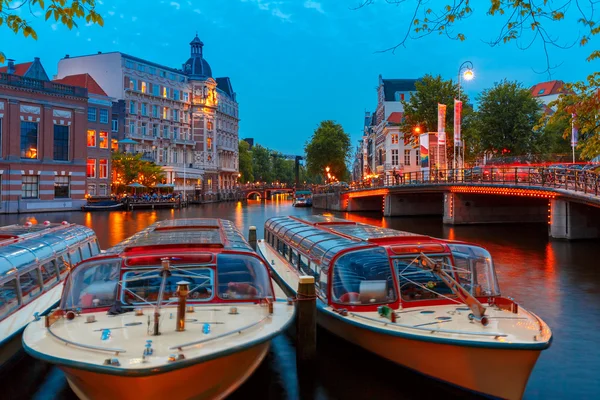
x: 568, y: 200
x: 263, y: 191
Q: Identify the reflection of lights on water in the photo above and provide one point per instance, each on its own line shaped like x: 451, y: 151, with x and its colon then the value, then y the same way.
x: 32, y: 220
x: 88, y: 219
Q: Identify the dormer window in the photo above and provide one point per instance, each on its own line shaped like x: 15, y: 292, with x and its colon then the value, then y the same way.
x: 541, y: 91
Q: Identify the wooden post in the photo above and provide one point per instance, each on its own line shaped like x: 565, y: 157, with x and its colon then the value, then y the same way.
x: 306, y: 320
x: 252, y: 237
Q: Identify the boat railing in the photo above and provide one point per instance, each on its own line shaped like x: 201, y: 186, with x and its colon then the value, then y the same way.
x: 420, y: 328
x: 240, y: 330
x: 85, y: 346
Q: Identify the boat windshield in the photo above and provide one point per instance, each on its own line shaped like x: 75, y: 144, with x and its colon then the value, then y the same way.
x: 419, y: 284
x: 241, y: 277
x: 475, y: 269
x: 92, y: 284
x: 363, y: 277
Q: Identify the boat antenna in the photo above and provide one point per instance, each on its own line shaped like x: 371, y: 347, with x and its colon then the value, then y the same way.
x: 165, y: 273
x: 477, y: 309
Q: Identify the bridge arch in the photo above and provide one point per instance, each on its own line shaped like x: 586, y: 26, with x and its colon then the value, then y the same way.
x: 254, y: 192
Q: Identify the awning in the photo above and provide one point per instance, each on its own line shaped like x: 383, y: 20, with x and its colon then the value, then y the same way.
x: 179, y: 175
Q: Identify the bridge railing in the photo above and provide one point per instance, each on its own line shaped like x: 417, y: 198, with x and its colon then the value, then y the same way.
x: 578, y: 180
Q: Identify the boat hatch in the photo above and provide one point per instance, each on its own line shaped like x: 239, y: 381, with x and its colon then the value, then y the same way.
x: 418, y: 248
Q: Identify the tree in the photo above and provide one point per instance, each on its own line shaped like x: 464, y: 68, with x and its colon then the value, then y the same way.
x: 245, y: 159
x: 579, y: 105
x: 60, y: 10
x: 552, y: 142
x: 261, y: 164
x: 330, y: 147
x: 128, y: 168
x: 283, y: 169
x: 506, y: 119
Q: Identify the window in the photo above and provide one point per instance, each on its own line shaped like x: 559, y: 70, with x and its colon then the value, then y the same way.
x: 155, y: 130
x: 242, y: 277
x: 128, y: 64
x: 165, y: 92
x: 394, y: 138
x: 85, y: 251
x: 176, y: 115
x: 417, y: 160
x: 91, y: 168
x: 143, y: 86
x: 406, y: 157
x: 155, y: 111
x: 115, y: 125
x: 61, y: 187
x: 29, y: 140
x: 172, y: 76
x: 49, y: 274
x: 103, y: 116
x: 91, y: 138
x: 9, y: 300
x: 156, y: 90
x: 144, y: 130
x: 30, y: 187
x: 165, y: 131
x: 114, y: 145
x: 103, y: 140
x: 541, y: 91
x: 186, y: 96
x: 165, y: 112
x: 92, y: 285
x: 132, y: 107
x: 163, y: 74
x: 63, y: 265
x: 92, y: 189
x: 175, y: 133
x: 176, y: 95
x: 395, y: 157
x: 140, y: 68
x: 92, y: 112
x: 30, y: 285
x: 61, y: 143
x: 103, y: 168
x: 152, y: 71
x: 363, y: 277
x: 103, y: 189
x: 419, y: 284
x: 209, y: 144
x: 209, y: 125
x: 132, y: 128
x: 94, y: 246
x: 144, y: 109
x: 132, y: 84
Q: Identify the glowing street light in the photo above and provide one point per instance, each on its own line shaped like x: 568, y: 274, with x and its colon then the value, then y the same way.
x: 459, y: 148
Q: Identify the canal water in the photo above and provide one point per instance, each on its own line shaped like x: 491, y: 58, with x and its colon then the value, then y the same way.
x: 560, y: 281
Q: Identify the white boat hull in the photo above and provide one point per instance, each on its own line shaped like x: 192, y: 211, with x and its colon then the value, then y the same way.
x: 213, y: 379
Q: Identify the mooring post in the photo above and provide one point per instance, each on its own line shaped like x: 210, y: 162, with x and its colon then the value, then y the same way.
x: 252, y: 237
x: 306, y: 321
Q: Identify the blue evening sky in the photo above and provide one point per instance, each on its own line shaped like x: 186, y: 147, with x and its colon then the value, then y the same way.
x: 294, y: 63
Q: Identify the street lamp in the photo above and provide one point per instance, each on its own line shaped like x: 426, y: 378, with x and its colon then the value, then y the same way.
x: 327, y: 169
x: 465, y: 71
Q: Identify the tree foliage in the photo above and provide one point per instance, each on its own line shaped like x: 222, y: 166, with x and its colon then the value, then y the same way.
x: 245, y: 162
x: 261, y: 164
x: 582, y: 100
x: 65, y: 12
x: 506, y: 119
x: 330, y: 147
x: 128, y: 168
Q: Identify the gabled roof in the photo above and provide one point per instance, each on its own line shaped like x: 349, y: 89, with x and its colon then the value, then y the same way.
x: 395, y: 117
x: 20, y: 69
x: 224, y: 84
x: 391, y: 86
x: 547, y: 88
x: 83, y: 80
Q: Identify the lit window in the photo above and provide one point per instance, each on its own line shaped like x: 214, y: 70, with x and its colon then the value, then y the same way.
x: 114, y: 145
x: 104, y: 140
x: 92, y: 114
x: 143, y: 86
x: 209, y: 125
x: 165, y: 91
x: 91, y: 138
x: 394, y: 138
x: 103, y: 170
x: 91, y: 168
x: 165, y: 112
x: 209, y: 144
x: 132, y: 84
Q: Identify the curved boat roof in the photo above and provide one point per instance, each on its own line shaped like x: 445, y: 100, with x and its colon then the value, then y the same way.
x: 322, y: 236
x: 187, y: 232
x: 22, y: 246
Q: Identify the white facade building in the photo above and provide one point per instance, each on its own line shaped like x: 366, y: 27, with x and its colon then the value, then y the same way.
x: 182, y: 119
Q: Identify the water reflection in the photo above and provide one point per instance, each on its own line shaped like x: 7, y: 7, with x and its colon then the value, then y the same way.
x: 557, y: 280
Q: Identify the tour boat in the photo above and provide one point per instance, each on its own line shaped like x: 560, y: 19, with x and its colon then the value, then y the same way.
x: 34, y: 261
x: 183, y: 309
x: 428, y: 304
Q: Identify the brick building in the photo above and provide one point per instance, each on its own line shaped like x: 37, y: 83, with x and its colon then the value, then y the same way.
x: 98, y: 140
x: 42, y: 141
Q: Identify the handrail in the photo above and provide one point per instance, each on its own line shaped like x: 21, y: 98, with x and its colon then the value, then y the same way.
x: 387, y: 322
x: 181, y: 346
x: 85, y: 346
x: 582, y: 181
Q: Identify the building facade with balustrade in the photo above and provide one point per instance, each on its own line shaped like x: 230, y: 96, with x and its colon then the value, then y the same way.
x: 184, y: 120
x: 42, y: 141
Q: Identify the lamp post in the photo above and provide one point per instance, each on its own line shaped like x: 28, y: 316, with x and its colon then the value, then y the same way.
x: 459, y: 147
x: 327, y: 169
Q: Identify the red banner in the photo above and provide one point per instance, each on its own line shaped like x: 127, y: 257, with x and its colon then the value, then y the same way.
x: 457, y: 121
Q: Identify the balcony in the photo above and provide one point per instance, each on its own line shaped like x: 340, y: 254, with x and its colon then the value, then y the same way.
x: 46, y: 86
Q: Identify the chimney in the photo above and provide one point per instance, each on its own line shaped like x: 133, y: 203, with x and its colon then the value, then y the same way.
x: 66, y: 56
x: 11, y: 66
